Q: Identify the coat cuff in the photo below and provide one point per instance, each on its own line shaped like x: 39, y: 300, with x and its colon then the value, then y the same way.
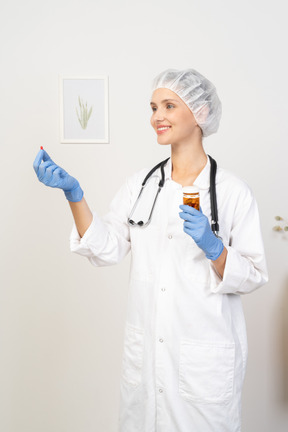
x: 93, y: 240
x: 235, y: 274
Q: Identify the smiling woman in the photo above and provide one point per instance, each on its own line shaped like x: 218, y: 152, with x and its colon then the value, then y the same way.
x: 185, y: 348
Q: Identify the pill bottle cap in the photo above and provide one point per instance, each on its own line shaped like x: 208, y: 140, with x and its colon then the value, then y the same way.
x: 190, y: 189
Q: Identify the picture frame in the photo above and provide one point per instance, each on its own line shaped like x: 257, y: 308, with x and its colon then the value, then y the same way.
x: 84, y: 110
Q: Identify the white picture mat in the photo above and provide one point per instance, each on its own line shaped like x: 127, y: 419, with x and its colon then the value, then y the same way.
x: 94, y: 92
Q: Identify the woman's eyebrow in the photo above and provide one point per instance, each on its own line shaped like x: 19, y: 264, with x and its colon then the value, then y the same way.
x: 164, y: 101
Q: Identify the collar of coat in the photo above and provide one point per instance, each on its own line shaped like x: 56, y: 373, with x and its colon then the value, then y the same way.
x: 202, y: 181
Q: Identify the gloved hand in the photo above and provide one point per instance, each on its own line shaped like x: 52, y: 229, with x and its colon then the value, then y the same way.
x: 196, y: 225
x: 54, y: 176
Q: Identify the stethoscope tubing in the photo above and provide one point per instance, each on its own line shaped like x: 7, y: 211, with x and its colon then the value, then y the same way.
x: 212, y: 190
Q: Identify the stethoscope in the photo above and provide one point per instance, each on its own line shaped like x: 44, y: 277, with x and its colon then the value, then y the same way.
x: 213, y: 199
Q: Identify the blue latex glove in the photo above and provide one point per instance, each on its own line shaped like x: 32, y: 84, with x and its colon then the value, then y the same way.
x: 196, y: 225
x: 54, y: 176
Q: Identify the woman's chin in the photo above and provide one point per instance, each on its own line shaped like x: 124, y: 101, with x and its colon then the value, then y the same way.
x: 162, y: 142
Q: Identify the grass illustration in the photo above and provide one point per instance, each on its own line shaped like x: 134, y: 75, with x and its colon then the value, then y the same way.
x: 83, y: 114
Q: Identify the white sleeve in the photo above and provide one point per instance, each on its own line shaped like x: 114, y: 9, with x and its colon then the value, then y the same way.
x: 107, y: 240
x: 245, y: 268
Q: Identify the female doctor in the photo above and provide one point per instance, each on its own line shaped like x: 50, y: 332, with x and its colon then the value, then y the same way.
x: 185, y: 345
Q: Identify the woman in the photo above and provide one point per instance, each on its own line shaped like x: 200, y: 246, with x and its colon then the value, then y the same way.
x: 185, y: 342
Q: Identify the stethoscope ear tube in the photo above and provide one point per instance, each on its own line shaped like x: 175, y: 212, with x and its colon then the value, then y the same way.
x: 142, y: 224
x: 213, y: 198
x: 161, y: 164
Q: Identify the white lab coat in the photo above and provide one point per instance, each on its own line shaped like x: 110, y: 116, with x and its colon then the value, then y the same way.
x: 185, y: 345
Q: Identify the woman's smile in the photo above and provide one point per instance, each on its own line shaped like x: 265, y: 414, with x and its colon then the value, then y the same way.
x: 162, y: 129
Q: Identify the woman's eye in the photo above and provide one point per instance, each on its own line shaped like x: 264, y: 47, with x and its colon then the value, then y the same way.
x: 153, y: 108
x: 169, y: 106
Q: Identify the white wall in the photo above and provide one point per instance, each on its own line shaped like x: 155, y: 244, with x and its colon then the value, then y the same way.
x: 61, y: 320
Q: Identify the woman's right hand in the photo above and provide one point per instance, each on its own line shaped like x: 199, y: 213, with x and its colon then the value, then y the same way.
x: 54, y: 176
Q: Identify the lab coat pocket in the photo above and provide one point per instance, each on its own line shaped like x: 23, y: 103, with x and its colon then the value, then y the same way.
x: 196, y: 264
x: 206, y: 373
x: 133, y: 355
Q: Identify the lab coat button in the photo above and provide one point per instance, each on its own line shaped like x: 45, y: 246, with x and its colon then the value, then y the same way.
x: 160, y: 390
x: 169, y: 236
x: 163, y: 289
x: 161, y: 340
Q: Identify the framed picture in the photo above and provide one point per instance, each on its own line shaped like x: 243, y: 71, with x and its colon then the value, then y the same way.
x: 84, y: 110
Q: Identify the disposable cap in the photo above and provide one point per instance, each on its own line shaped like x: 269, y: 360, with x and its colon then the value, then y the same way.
x: 197, y: 92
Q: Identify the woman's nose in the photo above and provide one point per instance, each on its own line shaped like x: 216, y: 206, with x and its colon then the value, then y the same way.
x: 158, y: 115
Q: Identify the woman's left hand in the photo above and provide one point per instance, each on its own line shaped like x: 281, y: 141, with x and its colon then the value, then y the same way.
x: 196, y: 225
